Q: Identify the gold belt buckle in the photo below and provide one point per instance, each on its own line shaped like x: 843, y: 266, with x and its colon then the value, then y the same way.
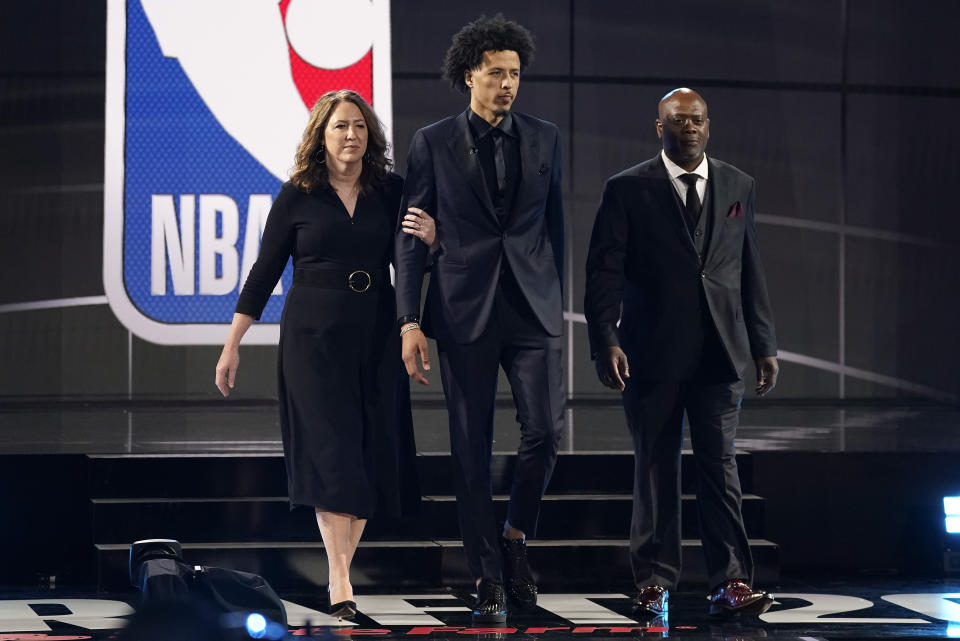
x: 356, y: 276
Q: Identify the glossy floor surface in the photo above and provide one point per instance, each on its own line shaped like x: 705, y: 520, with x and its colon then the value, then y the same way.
x: 829, y: 610
x: 37, y: 427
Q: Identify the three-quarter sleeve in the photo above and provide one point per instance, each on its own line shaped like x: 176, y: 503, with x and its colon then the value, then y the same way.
x: 276, y: 247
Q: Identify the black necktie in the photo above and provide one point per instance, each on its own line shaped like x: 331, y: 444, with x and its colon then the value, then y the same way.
x: 693, y: 199
x: 498, y: 161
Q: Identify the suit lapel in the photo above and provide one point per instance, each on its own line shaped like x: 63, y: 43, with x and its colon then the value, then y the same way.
x: 465, y: 154
x: 669, y: 205
x: 719, y: 198
x: 529, y: 141
x: 529, y: 149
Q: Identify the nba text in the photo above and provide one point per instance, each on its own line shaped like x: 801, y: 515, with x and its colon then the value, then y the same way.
x: 194, y: 239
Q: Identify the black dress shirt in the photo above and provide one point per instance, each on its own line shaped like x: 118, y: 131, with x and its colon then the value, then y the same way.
x: 485, y: 137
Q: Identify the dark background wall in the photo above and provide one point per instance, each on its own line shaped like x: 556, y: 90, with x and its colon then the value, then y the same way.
x: 844, y: 111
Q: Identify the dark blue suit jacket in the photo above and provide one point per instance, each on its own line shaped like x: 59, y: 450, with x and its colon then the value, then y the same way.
x: 444, y: 179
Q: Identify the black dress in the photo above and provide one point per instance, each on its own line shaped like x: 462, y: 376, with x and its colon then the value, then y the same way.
x: 344, y: 399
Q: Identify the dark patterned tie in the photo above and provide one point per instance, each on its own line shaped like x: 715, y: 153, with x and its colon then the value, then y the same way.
x: 693, y: 199
x: 498, y: 160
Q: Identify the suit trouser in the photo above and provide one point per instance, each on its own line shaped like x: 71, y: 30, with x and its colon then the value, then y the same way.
x: 532, y: 360
x: 654, y: 413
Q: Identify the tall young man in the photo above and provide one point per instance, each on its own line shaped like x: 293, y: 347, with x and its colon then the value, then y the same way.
x: 490, y: 177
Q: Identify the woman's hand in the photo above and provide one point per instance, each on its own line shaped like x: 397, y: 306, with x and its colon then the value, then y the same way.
x: 230, y: 356
x: 227, y: 369
x: 417, y: 222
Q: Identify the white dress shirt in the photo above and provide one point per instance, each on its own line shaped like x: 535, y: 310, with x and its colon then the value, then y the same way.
x: 675, y: 171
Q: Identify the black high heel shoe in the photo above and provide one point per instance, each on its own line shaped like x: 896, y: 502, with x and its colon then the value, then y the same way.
x: 344, y: 610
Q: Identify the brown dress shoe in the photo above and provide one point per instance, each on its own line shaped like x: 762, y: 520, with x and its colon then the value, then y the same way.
x: 651, y: 599
x: 736, y: 597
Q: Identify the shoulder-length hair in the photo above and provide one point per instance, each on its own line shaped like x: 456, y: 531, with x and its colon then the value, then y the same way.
x: 308, y: 173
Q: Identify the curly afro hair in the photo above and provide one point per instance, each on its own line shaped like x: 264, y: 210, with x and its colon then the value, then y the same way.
x: 485, y: 34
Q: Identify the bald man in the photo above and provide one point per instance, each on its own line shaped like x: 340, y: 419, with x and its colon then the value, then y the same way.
x: 677, y: 309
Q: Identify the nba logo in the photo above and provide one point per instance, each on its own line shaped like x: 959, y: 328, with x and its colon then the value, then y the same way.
x: 206, y: 104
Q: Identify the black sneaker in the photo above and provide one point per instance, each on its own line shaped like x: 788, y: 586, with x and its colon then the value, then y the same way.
x: 521, y: 588
x: 491, y: 603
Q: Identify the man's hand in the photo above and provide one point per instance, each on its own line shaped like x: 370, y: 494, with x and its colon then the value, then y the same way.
x: 612, y: 368
x: 767, y: 370
x: 414, y: 343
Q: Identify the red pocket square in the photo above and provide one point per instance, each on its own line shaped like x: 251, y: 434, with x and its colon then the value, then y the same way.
x: 735, y: 211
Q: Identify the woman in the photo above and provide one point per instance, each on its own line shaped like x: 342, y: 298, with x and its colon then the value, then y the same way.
x: 344, y: 403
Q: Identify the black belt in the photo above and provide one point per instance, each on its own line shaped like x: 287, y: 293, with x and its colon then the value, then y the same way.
x: 357, y: 280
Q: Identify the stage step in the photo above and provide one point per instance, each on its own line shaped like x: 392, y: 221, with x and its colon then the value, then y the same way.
x: 270, y: 519
x: 559, y: 564
x: 232, y: 511
x: 233, y: 475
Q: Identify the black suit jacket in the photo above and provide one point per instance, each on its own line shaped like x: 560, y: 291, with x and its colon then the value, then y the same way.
x: 444, y: 179
x: 643, y: 259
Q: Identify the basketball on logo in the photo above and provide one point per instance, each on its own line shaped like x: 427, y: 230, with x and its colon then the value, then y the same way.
x: 206, y: 103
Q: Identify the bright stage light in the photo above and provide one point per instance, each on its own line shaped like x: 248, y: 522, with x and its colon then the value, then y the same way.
x: 256, y: 625
x: 951, y: 543
x: 953, y: 630
x: 952, y: 524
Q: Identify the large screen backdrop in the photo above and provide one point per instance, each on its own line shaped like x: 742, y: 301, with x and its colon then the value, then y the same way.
x: 121, y: 274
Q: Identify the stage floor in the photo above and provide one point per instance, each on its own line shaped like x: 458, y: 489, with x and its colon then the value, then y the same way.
x: 227, y: 426
x: 853, y: 605
x: 830, y: 610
